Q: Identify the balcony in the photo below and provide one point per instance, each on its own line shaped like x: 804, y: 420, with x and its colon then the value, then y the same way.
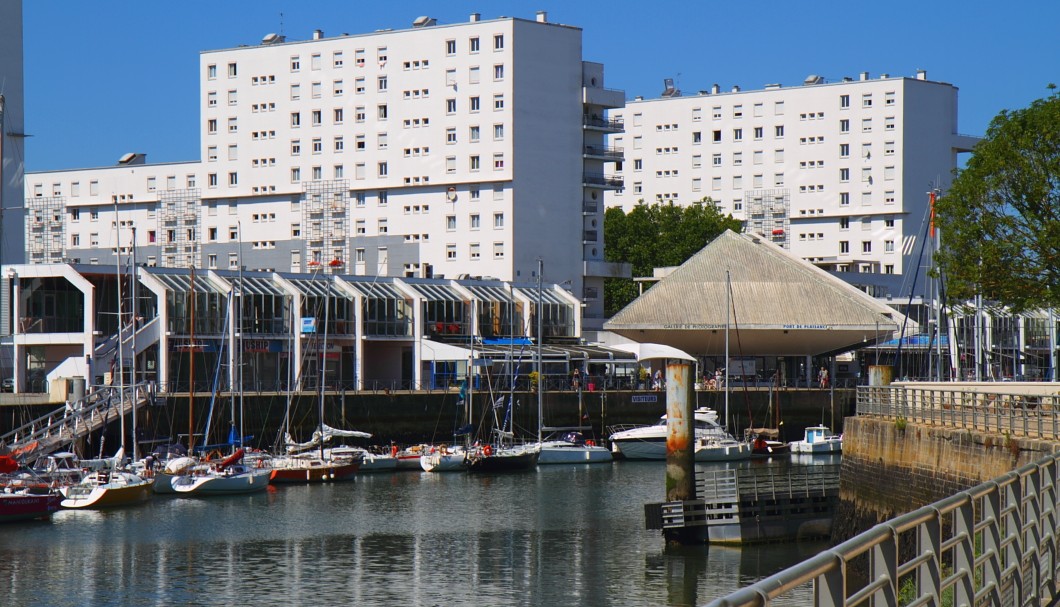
x: 589, y: 236
x: 608, y: 98
x: 606, y: 182
x: 600, y: 152
x: 595, y: 122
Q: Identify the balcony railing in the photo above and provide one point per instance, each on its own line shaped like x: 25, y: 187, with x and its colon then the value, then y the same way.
x: 601, y: 180
x: 598, y: 122
x: 599, y: 151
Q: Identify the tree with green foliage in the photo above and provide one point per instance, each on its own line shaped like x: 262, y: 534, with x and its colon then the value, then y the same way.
x: 657, y: 236
x: 1000, y: 221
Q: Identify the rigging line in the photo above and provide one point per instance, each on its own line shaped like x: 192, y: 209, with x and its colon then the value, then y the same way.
x: 739, y: 348
x: 896, y: 363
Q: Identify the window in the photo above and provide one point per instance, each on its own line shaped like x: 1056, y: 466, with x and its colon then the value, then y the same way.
x: 888, y: 246
x: 888, y: 198
x: 232, y: 98
x: 844, y: 174
x: 498, y: 161
x: 314, y: 61
x: 758, y: 132
x: 697, y: 184
x: 716, y: 160
x: 381, y: 111
x: 778, y: 155
x: 473, y: 45
x: 382, y: 169
x: 211, y: 180
x: 756, y: 181
x: 382, y: 81
x: 450, y: 252
x: 844, y: 150
x: 450, y: 105
x: 844, y: 247
x: 888, y: 173
x: 473, y: 133
x: 211, y: 99
x: 382, y: 141
x: 737, y: 159
x: 358, y: 86
x: 296, y: 119
x: 475, y: 163
x: 888, y: 148
x: 498, y: 102
x: 233, y: 126
x: 866, y: 100
x: 866, y: 246
x: 381, y: 226
x: 778, y: 179
x: 498, y: 72
x: 450, y: 164
x: 211, y: 72
x: 336, y: 59
x: 296, y: 175
x: 211, y: 126
x: 498, y: 132
x: 697, y: 137
x: 211, y: 153
x: 339, y: 145
x: 450, y: 47
x: 844, y: 101
x: 450, y: 135
x: 888, y: 98
x: 737, y: 111
x: 498, y: 42
x: 844, y: 126
x: 233, y: 179
x: 778, y: 131
x: 498, y: 221
x: 757, y: 157
x: 778, y: 108
x: 450, y: 223
x: 866, y: 125
x: 232, y: 70
x: 498, y: 250
x: 844, y: 223
x: 844, y: 198
x: 888, y: 123
x: 338, y: 115
x: 737, y: 134
x: 75, y: 240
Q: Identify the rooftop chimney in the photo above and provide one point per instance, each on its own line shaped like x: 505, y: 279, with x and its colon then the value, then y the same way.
x: 542, y: 16
x: 921, y: 74
x: 736, y: 88
x: 715, y: 89
x: 133, y: 158
x: 864, y: 76
x: 318, y: 34
x: 476, y: 17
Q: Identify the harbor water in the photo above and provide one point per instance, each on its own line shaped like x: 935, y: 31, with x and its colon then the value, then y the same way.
x: 559, y: 535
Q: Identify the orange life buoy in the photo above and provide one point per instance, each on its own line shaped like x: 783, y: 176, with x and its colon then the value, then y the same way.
x: 487, y: 450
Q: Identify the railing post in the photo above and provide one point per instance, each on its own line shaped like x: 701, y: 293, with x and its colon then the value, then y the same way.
x: 1033, y: 517
x: 1014, y: 492
x: 829, y: 588
x: 964, y: 553
x: 928, y: 574
x: 991, y: 512
x: 883, y: 563
x: 1047, y: 526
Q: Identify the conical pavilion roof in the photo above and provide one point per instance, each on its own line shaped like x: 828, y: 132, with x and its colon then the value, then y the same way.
x: 781, y: 305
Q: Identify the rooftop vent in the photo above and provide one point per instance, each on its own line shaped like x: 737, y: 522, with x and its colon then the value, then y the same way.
x: 864, y: 76
x: 133, y: 158
x: 476, y: 17
x: 668, y: 88
x: 715, y: 89
x: 813, y: 79
x: 318, y: 34
x: 736, y: 88
x: 921, y: 74
x: 424, y: 21
x: 542, y: 16
x: 773, y: 86
x: 273, y: 39
x: 884, y: 76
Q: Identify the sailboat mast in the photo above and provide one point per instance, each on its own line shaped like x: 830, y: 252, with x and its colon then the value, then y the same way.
x: 135, y: 396
x: 726, y: 375
x: 121, y: 327
x: 239, y: 331
x: 324, y: 363
x: 540, y: 361
x: 191, y: 366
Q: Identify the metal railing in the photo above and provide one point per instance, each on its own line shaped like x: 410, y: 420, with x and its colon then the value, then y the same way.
x: 614, y: 181
x: 604, y: 123
x: 994, y: 544
x: 979, y: 408
x: 603, y: 151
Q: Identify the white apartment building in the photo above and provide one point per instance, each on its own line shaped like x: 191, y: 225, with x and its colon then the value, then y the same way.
x: 468, y: 149
x: 836, y: 172
x: 12, y: 150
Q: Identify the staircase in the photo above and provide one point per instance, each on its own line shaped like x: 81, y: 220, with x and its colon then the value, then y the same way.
x: 63, y: 426
x: 105, y: 354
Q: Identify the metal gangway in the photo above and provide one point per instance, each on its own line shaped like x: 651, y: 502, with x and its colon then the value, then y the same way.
x: 73, y: 421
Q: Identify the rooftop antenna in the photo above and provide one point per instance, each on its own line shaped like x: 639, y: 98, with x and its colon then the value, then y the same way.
x: 281, y: 24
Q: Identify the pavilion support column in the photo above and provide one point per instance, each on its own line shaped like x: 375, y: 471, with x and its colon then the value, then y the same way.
x: 809, y: 371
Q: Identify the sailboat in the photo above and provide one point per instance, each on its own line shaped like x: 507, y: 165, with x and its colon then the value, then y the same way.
x: 229, y: 476
x: 765, y: 442
x: 302, y: 464
x: 716, y: 447
x: 111, y: 486
x: 570, y: 447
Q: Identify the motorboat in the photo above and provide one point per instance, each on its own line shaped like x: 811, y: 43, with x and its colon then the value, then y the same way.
x: 649, y: 442
x: 721, y: 449
x: 24, y: 498
x: 572, y: 448
x: 818, y: 439
x: 106, y: 488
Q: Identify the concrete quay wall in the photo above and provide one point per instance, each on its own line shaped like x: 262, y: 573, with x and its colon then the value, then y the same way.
x: 891, y: 467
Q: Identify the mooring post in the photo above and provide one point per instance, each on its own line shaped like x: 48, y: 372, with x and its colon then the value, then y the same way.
x: 680, y: 439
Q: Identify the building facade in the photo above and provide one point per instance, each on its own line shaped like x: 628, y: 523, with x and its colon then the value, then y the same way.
x: 12, y: 150
x: 836, y: 172
x: 470, y: 149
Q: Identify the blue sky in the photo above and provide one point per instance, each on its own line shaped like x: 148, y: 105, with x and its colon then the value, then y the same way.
x: 108, y: 77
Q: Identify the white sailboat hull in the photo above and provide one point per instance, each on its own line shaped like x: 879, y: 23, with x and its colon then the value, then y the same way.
x: 560, y: 452
x: 443, y: 462
x: 249, y: 481
x: 723, y: 451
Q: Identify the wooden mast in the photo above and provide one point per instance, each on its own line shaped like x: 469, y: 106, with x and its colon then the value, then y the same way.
x: 191, y: 368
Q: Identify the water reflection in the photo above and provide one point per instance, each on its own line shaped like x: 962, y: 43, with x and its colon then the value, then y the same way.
x: 559, y: 535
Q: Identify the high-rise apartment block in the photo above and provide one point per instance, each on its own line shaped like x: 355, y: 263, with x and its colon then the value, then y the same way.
x: 836, y: 172
x: 469, y: 149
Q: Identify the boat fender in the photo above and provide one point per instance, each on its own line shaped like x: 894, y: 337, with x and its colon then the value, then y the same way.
x: 393, y: 450
x: 590, y: 443
x: 261, y: 463
x: 487, y: 450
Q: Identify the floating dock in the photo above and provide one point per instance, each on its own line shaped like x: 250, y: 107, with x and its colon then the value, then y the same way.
x: 754, y: 505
